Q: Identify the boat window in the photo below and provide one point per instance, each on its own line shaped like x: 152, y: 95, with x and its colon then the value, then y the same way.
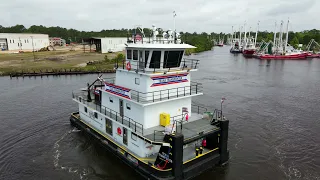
x: 133, y: 136
x: 110, y: 99
x: 135, y: 54
x: 155, y: 59
x: 128, y: 106
x: 129, y: 54
x: 96, y: 115
x: 85, y: 109
x: 137, y: 81
x: 172, y: 59
x: 146, y: 57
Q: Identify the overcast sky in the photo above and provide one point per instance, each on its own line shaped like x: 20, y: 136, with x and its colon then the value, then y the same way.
x: 192, y: 15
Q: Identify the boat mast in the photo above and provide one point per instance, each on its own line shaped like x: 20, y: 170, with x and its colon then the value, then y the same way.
x: 255, y: 39
x: 280, y: 37
x: 232, y: 34
x: 287, y: 36
x: 275, y: 34
x: 240, y: 43
x: 245, y: 35
x: 174, y: 26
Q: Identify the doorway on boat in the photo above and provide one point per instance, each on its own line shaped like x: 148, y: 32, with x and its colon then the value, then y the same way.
x: 109, y: 126
x: 125, y: 136
x: 121, y: 107
x: 97, y: 96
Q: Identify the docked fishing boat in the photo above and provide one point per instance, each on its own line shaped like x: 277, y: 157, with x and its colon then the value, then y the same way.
x: 235, y: 43
x: 220, y: 44
x: 145, y: 115
x: 235, y: 47
x: 282, y: 50
x: 249, y: 48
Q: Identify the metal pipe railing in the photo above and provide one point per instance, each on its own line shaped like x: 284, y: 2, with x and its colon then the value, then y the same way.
x: 138, y: 128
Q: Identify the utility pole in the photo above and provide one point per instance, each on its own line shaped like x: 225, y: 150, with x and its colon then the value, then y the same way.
x: 34, y: 57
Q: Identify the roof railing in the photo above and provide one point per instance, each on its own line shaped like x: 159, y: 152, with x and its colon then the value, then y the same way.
x: 141, y: 66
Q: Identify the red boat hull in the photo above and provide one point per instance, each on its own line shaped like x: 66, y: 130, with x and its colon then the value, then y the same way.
x: 248, y: 51
x: 313, y: 55
x: 280, y: 57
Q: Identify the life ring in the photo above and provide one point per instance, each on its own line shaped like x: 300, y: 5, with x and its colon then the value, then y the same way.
x: 119, y: 131
x: 128, y: 66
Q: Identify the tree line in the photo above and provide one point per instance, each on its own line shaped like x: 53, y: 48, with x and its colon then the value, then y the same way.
x: 203, y: 41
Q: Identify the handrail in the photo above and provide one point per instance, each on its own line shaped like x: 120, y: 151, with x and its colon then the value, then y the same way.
x: 145, y: 97
x: 135, y: 126
x: 159, y: 95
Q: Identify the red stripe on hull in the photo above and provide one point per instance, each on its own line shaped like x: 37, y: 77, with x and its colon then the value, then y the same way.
x: 295, y: 56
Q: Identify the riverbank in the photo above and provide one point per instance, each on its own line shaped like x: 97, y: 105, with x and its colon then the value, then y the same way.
x: 56, y: 61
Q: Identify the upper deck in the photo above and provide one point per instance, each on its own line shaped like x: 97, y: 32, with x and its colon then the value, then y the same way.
x: 159, y: 54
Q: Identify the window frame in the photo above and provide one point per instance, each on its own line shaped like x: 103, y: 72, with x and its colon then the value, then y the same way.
x: 135, y: 50
x: 129, y: 50
x: 137, y: 81
x: 128, y: 107
x: 133, y: 135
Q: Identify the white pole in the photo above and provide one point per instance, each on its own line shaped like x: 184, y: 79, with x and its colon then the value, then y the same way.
x: 275, y: 35
x: 232, y: 34
x: 255, y: 39
x: 240, y: 43
x: 287, y: 36
x: 174, y: 21
x: 280, y: 37
x: 245, y: 35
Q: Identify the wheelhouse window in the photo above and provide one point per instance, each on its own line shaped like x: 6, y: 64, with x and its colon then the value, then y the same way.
x: 155, y: 59
x: 129, y: 54
x: 96, y: 115
x: 85, y: 109
x: 111, y: 99
x: 172, y: 59
x: 135, y: 54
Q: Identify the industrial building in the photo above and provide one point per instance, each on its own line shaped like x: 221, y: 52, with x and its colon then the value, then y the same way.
x: 107, y: 44
x: 23, y: 42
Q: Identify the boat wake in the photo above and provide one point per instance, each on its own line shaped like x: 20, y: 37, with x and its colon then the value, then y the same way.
x: 58, y: 152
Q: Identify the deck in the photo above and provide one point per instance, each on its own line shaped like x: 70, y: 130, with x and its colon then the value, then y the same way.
x: 195, y: 126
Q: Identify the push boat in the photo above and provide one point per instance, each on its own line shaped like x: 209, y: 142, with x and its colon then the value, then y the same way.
x: 145, y: 116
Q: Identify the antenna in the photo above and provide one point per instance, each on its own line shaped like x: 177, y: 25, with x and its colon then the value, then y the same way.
x: 174, y: 25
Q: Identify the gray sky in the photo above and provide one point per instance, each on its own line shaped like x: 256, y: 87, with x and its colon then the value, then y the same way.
x: 192, y: 15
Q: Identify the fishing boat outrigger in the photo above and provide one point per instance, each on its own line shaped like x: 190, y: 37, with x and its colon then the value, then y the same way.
x: 145, y: 117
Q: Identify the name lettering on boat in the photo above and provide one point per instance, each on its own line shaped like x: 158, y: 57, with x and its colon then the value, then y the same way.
x: 165, y: 157
x: 118, y: 90
x: 169, y: 79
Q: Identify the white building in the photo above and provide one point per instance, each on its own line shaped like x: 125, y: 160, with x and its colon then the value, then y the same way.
x: 109, y: 44
x: 23, y: 42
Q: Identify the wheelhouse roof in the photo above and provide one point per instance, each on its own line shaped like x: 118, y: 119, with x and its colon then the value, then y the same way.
x: 160, y: 46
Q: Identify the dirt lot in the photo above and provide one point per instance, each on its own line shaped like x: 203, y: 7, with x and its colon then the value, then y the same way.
x: 61, y: 58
